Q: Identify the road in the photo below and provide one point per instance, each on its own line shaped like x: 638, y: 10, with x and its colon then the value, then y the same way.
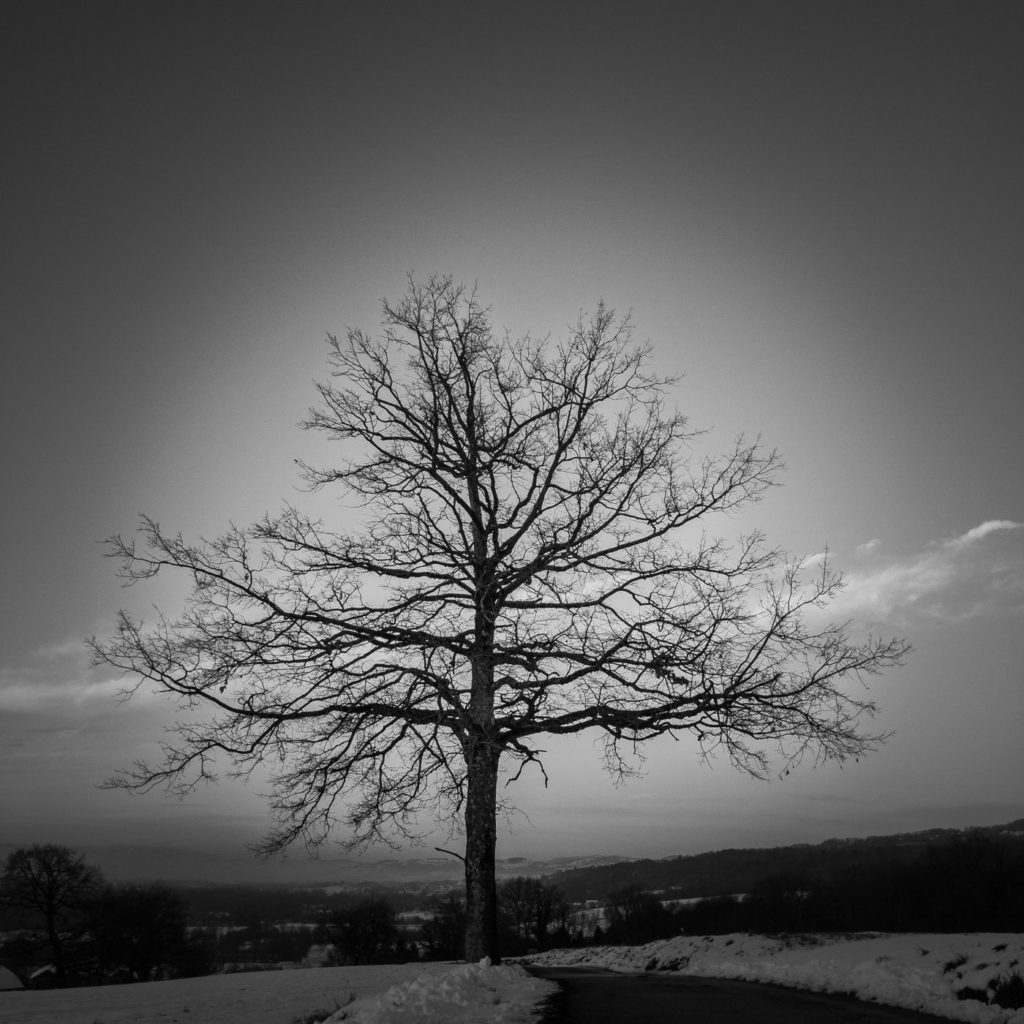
x: 592, y: 996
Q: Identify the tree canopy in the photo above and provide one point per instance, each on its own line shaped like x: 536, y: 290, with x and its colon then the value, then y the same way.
x: 525, y: 551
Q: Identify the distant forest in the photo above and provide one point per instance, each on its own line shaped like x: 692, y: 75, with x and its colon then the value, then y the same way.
x: 731, y: 872
x: 942, y: 880
x: 937, y: 881
x: 967, y: 883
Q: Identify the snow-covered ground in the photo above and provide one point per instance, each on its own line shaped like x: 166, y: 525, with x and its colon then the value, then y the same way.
x: 470, y: 994
x: 425, y: 993
x: 921, y: 972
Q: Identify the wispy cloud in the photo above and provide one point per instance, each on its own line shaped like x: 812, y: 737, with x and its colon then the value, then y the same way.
x: 977, y: 573
x: 865, y: 549
x: 58, y: 678
x: 979, y: 532
x: 27, y: 690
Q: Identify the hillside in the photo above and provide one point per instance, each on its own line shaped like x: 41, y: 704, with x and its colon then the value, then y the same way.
x: 725, y: 872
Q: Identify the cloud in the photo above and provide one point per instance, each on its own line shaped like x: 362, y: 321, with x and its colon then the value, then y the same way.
x: 57, y: 704
x: 988, y: 527
x: 26, y: 691
x: 59, y: 678
x: 976, y: 574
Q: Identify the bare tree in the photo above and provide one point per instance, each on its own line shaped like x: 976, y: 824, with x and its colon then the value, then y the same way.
x: 366, y: 931
x: 54, y: 883
x: 444, y: 932
x: 530, y: 557
x: 635, y: 916
x: 142, y: 928
x: 529, y: 907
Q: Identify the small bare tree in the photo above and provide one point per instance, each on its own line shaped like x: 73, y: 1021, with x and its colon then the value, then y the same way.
x: 531, y: 559
x: 529, y: 907
x: 55, y: 884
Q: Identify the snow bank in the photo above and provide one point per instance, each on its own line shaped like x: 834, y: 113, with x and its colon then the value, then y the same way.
x: 947, y: 975
x: 473, y: 993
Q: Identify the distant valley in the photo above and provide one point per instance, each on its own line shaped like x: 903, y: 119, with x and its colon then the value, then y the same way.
x: 581, y: 878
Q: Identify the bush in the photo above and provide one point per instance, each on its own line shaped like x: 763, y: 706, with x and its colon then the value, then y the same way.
x: 1009, y: 992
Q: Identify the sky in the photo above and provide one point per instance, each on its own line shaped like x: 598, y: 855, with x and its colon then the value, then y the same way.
x: 813, y: 211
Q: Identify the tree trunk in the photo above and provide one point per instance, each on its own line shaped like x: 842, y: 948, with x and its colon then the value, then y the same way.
x: 56, y: 948
x: 481, y: 839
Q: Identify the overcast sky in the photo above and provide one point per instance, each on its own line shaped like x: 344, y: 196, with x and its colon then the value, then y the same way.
x: 814, y: 211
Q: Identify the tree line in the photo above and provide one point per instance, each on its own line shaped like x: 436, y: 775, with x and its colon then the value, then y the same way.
x: 532, y: 915
x: 61, y: 916
x: 64, y: 924
x: 969, y: 883
x: 721, y: 872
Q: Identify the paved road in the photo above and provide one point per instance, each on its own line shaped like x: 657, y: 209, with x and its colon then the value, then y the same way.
x: 591, y: 996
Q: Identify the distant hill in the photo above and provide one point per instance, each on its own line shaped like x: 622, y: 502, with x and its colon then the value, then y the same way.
x: 182, y: 865
x: 727, y: 872
x: 721, y: 872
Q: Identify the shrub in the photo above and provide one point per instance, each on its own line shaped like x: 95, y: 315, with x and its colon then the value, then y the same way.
x: 1009, y: 992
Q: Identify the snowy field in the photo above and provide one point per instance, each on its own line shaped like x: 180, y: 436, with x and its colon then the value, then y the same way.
x: 920, y: 972
x: 951, y: 976
x: 426, y: 993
